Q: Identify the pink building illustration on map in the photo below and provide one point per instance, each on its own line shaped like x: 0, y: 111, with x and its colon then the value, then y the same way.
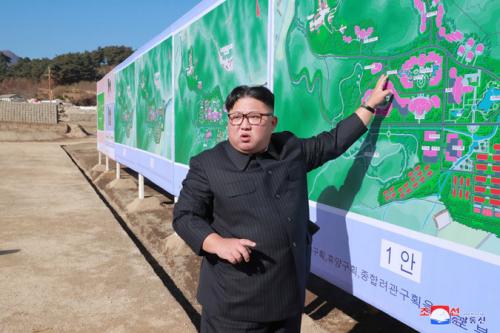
x: 454, y: 147
x: 430, y: 147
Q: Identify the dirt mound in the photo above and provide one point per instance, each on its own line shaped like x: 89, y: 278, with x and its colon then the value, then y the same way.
x: 23, y: 132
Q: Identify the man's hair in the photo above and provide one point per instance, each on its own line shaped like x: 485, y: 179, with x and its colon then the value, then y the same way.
x: 260, y: 93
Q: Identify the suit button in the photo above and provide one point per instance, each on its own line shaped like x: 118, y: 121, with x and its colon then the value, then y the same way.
x: 277, y: 196
x: 289, y: 219
x: 269, y: 172
x: 294, y: 244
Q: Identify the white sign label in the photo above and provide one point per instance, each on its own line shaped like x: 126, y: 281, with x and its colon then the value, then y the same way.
x: 370, y: 40
x: 401, y: 260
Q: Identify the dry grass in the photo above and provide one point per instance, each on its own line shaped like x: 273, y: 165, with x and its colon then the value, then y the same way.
x: 81, y: 93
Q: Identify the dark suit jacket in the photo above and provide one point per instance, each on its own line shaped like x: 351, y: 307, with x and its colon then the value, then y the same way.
x: 263, y: 198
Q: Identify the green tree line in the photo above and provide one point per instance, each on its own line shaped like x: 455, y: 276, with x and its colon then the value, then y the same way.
x: 66, y: 68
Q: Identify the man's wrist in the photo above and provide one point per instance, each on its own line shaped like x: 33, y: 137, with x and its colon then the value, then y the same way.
x: 368, y: 107
x: 210, y: 243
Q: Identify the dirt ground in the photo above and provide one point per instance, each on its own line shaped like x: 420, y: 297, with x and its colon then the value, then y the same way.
x: 65, y: 264
x: 80, y: 252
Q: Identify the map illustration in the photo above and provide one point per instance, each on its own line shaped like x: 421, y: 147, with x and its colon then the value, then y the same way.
x: 431, y: 160
x: 125, y: 114
x: 212, y: 56
x: 100, y: 111
x: 154, y: 100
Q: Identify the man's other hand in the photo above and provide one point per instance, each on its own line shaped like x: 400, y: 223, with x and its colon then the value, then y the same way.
x: 234, y: 250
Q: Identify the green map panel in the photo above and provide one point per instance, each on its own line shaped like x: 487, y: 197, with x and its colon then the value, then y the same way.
x: 125, y: 116
x: 431, y: 161
x: 225, y: 48
x: 154, y: 105
x: 100, y: 112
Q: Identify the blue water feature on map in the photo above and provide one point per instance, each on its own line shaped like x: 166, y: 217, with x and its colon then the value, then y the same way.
x: 486, y: 103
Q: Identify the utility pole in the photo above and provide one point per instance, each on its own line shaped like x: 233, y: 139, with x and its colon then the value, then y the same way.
x: 50, y: 89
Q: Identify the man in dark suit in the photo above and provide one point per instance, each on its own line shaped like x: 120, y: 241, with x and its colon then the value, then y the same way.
x: 244, y: 208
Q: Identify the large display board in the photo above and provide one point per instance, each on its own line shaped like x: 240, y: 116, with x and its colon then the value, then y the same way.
x: 125, y: 107
x: 224, y: 48
x: 213, y: 55
x: 410, y: 215
x: 429, y: 166
x: 144, y: 125
x: 434, y: 143
x: 105, y: 115
x: 155, y: 100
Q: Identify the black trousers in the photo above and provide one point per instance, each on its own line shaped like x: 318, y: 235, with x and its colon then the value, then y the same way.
x: 220, y: 324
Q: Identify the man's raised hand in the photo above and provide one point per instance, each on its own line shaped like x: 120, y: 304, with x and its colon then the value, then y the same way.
x: 379, y: 93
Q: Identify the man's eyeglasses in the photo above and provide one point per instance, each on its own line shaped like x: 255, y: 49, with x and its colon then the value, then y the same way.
x: 254, y: 118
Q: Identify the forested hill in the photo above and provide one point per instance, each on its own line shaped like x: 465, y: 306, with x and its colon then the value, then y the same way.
x: 29, y: 77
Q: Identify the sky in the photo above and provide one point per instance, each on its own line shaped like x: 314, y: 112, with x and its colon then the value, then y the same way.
x: 46, y: 28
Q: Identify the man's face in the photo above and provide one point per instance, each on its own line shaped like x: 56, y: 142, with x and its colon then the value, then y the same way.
x: 248, y: 138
